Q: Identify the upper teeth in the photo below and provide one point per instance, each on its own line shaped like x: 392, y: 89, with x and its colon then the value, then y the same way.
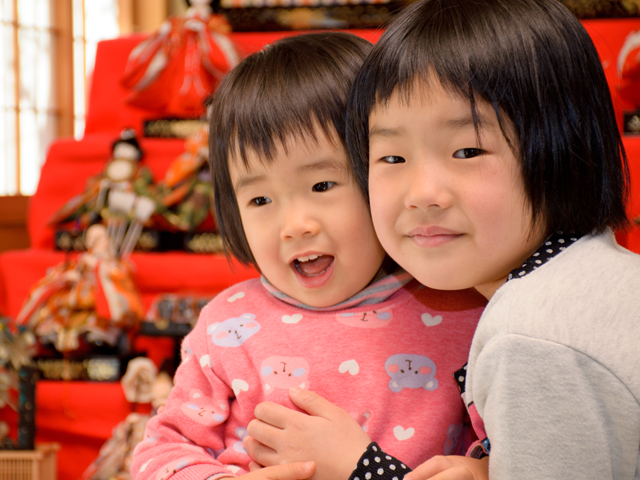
x: 306, y: 259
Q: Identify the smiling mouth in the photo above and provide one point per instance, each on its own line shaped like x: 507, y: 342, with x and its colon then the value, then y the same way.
x: 313, y: 265
x: 434, y: 240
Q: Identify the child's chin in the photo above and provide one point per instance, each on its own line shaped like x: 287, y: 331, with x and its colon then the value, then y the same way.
x: 322, y: 300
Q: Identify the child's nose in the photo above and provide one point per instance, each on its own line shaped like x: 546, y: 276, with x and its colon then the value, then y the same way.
x: 427, y: 187
x: 298, y: 222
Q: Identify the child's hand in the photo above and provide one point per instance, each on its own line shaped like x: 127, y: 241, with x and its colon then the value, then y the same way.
x: 451, y: 467
x: 328, y: 435
x: 289, y: 471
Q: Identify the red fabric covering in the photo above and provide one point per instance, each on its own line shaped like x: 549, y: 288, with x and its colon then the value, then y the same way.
x: 69, y: 161
x: 631, y: 240
x: 80, y: 416
x: 608, y: 37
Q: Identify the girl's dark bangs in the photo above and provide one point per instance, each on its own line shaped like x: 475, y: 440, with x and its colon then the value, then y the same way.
x: 432, y: 48
x: 296, y: 88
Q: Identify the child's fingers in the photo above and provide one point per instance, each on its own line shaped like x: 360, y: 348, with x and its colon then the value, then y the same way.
x: 264, y: 433
x: 451, y: 467
x: 274, y: 414
x: 289, y: 471
x: 429, y: 469
x: 455, y: 473
x: 253, y: 466
x: 260, y: 453
x: 313, y: 404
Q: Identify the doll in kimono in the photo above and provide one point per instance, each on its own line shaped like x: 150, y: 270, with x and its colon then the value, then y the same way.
x: 122, y: 172
x: 120, y: 196
x: 91, y: 299
x: 174, y: 70
x: 184, y: 195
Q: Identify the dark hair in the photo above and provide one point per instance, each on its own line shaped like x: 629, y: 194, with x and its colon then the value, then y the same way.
x: 534, y: 63
x: 285, y: 90
x: 215, y: 5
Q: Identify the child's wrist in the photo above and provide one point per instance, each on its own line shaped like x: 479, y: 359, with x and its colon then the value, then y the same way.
x: 374, y: 464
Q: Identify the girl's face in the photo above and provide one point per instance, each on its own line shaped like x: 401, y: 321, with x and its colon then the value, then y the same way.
x: 451, y: 211
x: 306, y: 222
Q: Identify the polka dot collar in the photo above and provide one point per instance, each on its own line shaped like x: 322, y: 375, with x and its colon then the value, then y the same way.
x: 555, y: 244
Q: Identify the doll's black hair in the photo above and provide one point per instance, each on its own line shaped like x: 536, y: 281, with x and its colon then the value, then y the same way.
x: 215, y: 5
x: 534, y: 62
x: 281, y: 92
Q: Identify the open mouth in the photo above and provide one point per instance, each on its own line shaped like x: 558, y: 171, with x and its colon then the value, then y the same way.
x: 313, y: 265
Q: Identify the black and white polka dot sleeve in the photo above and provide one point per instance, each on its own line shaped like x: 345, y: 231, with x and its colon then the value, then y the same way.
x: 374, y: 464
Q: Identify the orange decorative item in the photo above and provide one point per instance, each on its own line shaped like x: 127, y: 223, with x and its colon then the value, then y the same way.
x: 172, y: 72
x: 184, y: 195
x: 195, y: 155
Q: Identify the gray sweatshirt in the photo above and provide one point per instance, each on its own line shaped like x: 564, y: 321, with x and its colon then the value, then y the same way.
x: 554, y: 367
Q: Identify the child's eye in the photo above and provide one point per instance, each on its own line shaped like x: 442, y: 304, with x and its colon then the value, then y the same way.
x: 322, y: 186
x: 392, y: 159
x: 468, y: 152
x: 259, y: 201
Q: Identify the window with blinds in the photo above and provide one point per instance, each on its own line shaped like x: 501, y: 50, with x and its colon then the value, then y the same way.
x: 47, y: 47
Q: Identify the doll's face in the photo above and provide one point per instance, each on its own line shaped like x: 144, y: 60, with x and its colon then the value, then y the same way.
x: 97, y: 240
x: 125, y: 150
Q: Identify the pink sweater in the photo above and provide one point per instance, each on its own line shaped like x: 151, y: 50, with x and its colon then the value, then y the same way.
x: 390, y: 365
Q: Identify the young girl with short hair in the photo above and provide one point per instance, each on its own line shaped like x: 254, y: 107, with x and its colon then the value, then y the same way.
x: 485, y: 137
x: 331, y: 312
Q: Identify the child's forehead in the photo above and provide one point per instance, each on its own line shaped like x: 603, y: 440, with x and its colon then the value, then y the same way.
x: 294, y: 150
x: 423, y: 92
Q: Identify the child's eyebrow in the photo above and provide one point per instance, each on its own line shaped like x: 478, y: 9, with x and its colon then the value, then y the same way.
x: 453, y: 123
x: 325, y: 164
x: 385, y: 132
x: 463, y: 122
x: 247, y: 181
x: 320, y: 165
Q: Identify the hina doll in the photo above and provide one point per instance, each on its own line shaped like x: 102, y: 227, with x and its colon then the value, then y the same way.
x: 173, y: 71
x: 90, y: 299
x: 122, y: 172
x: 120, y: 196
